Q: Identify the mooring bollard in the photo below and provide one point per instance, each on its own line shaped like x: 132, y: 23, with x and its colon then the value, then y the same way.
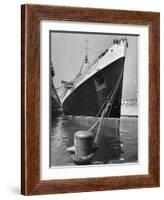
x: 83, y: 142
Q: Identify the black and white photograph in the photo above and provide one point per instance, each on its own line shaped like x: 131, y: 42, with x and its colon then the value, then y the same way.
x: 93, y: 102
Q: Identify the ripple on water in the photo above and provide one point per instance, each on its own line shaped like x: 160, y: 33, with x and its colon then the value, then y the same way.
x: 120, y: 149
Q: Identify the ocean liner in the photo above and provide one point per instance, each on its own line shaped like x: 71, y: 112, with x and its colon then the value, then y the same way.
x: 55, y: 101
x: 96, y: 84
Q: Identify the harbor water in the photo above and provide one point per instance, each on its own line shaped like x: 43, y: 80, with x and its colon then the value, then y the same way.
x: 118, y: 141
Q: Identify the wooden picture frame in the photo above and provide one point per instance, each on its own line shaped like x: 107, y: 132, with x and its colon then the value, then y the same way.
x: 31, y: 16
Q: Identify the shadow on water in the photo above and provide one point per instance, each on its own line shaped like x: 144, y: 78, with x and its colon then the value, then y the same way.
x: 113, y: 147
x: 109, y: 150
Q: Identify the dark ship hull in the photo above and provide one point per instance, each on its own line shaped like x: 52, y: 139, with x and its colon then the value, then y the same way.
x: 88, y: 99
x: 55, y: 106
x: 54, y: 101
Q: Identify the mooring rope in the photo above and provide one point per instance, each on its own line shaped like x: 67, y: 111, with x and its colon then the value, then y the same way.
x: 105, y: 110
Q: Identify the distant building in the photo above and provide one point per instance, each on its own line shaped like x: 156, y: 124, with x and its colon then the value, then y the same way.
x: 129, y: 102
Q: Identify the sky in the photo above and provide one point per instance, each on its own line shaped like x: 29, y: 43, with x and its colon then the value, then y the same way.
x: 68, y: 51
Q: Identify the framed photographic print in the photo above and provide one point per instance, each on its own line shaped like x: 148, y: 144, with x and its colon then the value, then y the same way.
x: 90, y: 99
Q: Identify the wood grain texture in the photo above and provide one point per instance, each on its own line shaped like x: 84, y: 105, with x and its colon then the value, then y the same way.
x: 30, y: 98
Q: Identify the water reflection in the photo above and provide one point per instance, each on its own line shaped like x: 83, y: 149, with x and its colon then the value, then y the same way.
x: 113, y: 147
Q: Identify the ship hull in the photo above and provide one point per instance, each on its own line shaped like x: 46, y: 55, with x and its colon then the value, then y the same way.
x: 54, y: 100
x: 89, y: 97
